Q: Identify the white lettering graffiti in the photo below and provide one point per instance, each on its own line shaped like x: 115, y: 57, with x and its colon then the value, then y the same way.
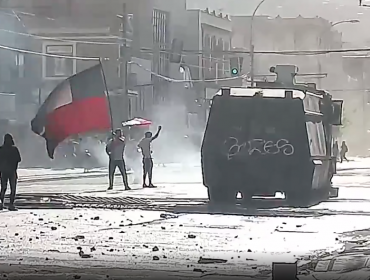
x: 261, y: 146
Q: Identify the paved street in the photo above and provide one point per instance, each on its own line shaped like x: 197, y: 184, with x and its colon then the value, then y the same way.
x: 97, y: 180
x: 176, y: 242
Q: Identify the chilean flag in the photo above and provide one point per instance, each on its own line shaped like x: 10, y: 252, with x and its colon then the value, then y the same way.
x: 78, y: 105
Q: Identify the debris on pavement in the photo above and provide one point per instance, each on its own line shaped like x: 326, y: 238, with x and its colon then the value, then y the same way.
x: 168, y: 216
x: 82, y: 254
x: 210, y: 261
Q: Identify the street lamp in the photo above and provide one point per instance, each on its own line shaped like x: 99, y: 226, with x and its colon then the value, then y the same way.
x: 322, y: 35
x: 251, y: 45
x: 345, y: 21
x: 337, y: 23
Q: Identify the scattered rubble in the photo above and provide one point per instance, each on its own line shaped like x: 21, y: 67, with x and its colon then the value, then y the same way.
x: 210, y: 261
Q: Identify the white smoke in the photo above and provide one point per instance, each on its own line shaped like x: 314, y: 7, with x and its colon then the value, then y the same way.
x: 177, y: 142
x: 96, y: 149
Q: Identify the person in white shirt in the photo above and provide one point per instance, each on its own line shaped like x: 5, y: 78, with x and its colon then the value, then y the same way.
x: 146, y: 150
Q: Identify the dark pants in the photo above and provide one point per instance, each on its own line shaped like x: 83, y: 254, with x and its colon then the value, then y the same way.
x: 343, y: 157
x: 113, y: 164
x: 10, y: 177
x: 147, y: 169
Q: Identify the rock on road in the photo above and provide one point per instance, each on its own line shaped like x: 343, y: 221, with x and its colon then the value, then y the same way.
x: 167, y: 242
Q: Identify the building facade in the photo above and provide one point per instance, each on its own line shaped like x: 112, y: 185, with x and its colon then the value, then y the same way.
x: 290, y: 34
x: 345, y: 78
x: 92, y: 29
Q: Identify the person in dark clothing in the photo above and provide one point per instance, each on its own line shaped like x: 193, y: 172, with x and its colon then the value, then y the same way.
x: 146, y: 151
x: 115, y: 150
x: 336, y: 150
x: 9, y: 160
x: 343, y: 152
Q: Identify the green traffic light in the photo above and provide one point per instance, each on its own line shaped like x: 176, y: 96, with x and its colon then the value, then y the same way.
x: 234, y: 71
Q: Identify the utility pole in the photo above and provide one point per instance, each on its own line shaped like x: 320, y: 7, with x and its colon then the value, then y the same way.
x: 252, y: 64
x: 251, y: 44
x: 124, y: 60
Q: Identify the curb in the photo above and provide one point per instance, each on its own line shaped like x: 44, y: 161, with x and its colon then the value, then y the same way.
x: 67, y: 177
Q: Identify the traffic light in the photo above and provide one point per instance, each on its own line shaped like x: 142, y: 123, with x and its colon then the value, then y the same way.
x: 236, y: 66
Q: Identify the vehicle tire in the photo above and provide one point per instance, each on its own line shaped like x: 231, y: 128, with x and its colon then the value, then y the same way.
x: 299, y: 198
x: 221, y: 196
x: 324, y: 193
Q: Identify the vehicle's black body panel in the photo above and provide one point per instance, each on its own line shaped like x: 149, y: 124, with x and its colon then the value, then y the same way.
x: 259, y: 145
x: 257, y: 142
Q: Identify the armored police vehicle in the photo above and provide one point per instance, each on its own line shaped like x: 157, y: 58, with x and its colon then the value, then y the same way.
x: 275, y: 137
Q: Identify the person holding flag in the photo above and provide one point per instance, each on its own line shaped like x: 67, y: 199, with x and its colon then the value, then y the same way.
x: 115, y: 149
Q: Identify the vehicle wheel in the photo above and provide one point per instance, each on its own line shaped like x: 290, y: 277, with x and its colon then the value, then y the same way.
x: 221, y: 196
x: 298, y: 198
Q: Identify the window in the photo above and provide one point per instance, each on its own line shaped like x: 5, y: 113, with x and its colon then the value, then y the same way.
x: 220, y: 61
x: 58, y: 67
x: 19, y: 63
x: 130, y: 108
x: 311, y: 103
x: 213, y: 56
x: 160, y: 38
x: 226, y: 59
x: 316, y: 138
x: 206, y: 54
x: 142, y: 99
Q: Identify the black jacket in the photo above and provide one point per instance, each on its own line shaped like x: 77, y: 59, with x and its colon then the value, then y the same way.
x: 9, y: 158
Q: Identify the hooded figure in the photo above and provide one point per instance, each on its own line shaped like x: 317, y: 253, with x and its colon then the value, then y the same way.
x: 9, y: 160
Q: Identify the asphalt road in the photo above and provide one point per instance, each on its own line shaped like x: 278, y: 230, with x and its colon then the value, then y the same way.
x: 168, y: 242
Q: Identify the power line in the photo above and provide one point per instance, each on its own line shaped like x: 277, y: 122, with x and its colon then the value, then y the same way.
x: 50, y: 55
x: 62, y: 40
x: 97, y: 59
x: 168, y: 79
x: 85, y: 42
x: 351, y: 89
x: 22, y: 13
x: 139, y: 65
x: 196, y: 52
x: 64, y: 56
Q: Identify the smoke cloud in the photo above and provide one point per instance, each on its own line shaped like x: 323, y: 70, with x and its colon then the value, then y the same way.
x: 178, y: 140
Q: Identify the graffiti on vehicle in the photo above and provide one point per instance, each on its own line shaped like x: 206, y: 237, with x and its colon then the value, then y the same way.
x: 260, y: 146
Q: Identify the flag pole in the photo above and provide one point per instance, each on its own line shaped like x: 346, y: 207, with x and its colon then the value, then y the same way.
x: 108, y: 97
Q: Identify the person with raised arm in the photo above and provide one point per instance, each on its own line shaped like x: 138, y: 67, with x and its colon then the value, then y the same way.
x: 145, y: 146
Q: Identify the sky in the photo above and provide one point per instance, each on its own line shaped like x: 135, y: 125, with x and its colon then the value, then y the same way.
x: 333, y: 10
